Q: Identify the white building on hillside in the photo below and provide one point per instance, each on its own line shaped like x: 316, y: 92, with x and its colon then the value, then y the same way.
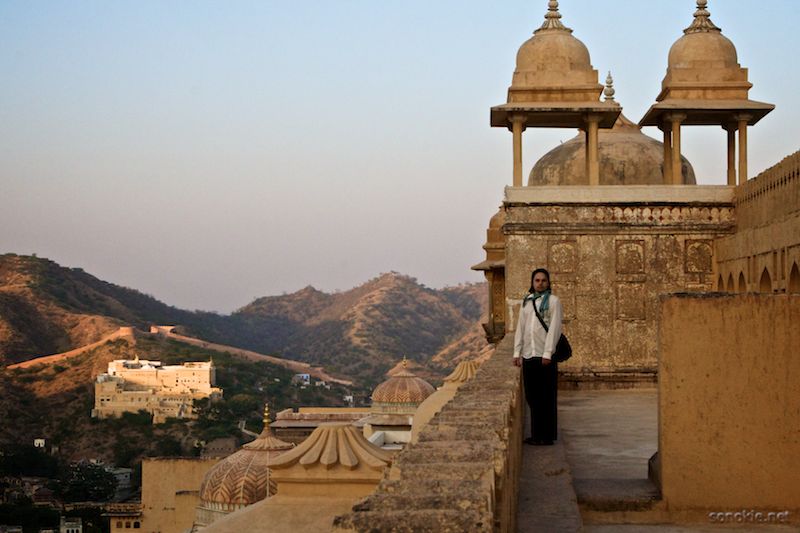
x: 162, y: 390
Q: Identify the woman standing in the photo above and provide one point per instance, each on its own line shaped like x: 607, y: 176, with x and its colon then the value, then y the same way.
x: 534, y: 346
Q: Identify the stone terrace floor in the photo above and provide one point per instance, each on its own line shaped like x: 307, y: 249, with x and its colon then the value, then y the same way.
x: 607, y: 437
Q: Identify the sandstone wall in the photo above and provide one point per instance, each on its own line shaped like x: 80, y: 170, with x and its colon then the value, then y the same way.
x: 611, y: 252
x: 463, y: 473
x: 170, y: 492
x: 729, y: 402
x: 764, y: 254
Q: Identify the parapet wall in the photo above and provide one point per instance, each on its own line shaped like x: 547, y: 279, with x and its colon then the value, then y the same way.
x: 729, y: 402
x: 764, y: 253
x: 463, y: 473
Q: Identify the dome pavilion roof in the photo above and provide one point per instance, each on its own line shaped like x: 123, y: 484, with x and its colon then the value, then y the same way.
x: 243, y: 478
x: 402, y: 388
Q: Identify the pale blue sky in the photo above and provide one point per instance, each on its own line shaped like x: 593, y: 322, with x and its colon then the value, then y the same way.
x: 208, y: 152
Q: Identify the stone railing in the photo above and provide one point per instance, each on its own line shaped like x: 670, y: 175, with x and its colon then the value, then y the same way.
x: 463, y: 473
x: 771, y: 195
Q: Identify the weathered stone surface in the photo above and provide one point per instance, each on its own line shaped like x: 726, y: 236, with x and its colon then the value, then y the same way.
x: 462, y: 473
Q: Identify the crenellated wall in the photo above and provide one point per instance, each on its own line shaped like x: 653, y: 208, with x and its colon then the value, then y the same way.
x: 764, y: 253
x: 463, y: 473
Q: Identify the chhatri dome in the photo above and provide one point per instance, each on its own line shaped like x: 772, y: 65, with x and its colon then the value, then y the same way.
x: 553, y: 65
x: 627, y: 157
x: 401, y: 393
x: 703, y: 47
x: 241, y: 479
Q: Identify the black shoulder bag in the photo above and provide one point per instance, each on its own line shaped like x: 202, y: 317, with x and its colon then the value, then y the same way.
x: 563, y: 349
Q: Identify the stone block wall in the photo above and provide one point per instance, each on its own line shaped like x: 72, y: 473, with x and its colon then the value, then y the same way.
x: 463, y: 473
x: 611, y: 252
x: 729, y: 402
x: 764, y: 253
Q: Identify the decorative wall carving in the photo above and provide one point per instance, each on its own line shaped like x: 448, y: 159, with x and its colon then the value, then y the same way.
x: 698, y: 257
x: 630, y: 301
x: 562, y: 257
x: 630, y: 256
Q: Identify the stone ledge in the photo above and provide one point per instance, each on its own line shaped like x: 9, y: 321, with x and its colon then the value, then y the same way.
x: 462, y: 474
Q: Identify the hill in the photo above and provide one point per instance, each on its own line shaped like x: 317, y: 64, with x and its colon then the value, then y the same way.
x: 358, y: 334
x: 54, y: 401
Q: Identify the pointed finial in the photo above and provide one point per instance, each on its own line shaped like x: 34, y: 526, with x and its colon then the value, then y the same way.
x: 609, y: 91
x: 552, y: 19
x: 702, y: 19
x: 405, y: 362
x: 266, y: 415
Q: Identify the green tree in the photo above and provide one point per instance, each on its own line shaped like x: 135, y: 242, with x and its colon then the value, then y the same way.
x: 86, y: 482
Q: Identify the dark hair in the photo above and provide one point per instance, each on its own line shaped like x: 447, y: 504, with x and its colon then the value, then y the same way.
x: 539, y: 271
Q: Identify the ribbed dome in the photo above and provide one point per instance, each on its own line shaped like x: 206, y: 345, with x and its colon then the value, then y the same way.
x: 243, y: 478
x: 402, y: 388
x: 627, y: 157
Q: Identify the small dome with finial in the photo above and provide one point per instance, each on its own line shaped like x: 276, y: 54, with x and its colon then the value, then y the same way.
x: 703, y: 46
x: 401, y: 392
x: 553, y: 59
x: 242, y: 478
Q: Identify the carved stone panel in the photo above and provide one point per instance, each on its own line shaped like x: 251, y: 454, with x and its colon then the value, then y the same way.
x: 565, y: 290
x: 630, y: 301
x: 630, y: 257
x: 562, y: 257
x: 698, y: 257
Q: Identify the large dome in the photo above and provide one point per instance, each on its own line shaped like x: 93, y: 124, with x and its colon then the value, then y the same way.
x: 627, y: 157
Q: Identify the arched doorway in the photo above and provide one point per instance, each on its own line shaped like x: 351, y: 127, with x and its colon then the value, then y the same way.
x: 794, y: 280
x: 742, y: 283
x: 720, y: 284
x: 731, y: 286
x: 765, y: 285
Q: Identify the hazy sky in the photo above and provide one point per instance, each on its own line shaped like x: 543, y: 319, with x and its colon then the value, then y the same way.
x: 211, y: 152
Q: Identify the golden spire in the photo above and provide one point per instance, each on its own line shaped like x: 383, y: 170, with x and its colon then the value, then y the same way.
x: 266, y: 415
x: 552, y: 19
x: 405, y: 362
x: 702, y: 20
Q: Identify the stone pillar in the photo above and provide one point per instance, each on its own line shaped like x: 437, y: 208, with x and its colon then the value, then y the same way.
x: 742, y: 121
x: 517, y: 127
x: 592, y: 149
x: 667, y: 153
x: 677, y: 168
x: 731, y: 130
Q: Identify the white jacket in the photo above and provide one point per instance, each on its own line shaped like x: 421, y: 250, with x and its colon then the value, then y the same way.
x: 530, y: 339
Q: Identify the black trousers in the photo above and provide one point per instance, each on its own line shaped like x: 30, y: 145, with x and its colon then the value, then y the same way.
x: 541, y: 393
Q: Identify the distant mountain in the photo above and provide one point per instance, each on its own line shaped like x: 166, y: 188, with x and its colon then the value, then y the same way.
x: 360, y: 333
x: 366, y: 330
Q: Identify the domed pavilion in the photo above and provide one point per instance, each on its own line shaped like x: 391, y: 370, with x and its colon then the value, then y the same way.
x: 241, y: 479
x: 704, y: 86
x: 394, y: 403
x: 555, y: 86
